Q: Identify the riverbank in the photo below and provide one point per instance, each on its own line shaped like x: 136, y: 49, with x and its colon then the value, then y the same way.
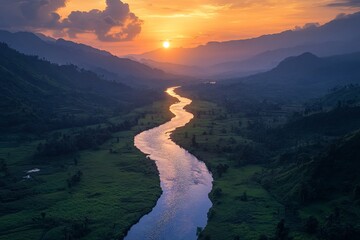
x: 96, y: 194
x: 242, y: 208
x: 182, y: 208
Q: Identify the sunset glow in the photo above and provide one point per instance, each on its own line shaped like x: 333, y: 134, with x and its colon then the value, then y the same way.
x: 193, y: 23
x: 208, y: 20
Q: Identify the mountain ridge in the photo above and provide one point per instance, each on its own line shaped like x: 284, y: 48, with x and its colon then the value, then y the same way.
x: 35, y: 93
x: 66, y: 52
x: 338, y: 36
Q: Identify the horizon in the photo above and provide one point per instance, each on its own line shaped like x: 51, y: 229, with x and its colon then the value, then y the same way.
x: 142, y: 27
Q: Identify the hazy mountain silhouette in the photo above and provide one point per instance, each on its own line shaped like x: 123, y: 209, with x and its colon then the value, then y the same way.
x: 64, y: 52
x: 213, y: 72
x: 302, y: 77
x: 178, y: 69
x: 271, y: 59
x: 338, y: 36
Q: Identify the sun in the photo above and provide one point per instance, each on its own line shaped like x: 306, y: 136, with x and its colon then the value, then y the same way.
x: 166, y: 44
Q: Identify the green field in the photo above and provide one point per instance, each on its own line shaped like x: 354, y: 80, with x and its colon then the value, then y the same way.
x: 115, y: 189
x: 242, y: 207
x: 231, y: 215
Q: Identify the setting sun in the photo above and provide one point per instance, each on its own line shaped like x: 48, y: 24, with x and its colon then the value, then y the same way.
x: 166, y: 44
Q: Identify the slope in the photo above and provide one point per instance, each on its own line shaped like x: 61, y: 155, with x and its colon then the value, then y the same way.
x: 37, y: 94
x: 338, y: 36
x: 66, y: 52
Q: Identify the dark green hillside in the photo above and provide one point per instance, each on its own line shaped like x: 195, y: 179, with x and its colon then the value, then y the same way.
x: 336, y: 122
x: 341, y: 96
x: 344, y: 156
x: 37, y: 94
x: 276, y: 153
x: 305, y: 176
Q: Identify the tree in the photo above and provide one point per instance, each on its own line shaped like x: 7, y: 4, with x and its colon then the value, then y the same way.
x: 311, y: 225
x: 244, y: 197
x: 282, y: 232
x: 3, y: 167
x: 193, y: 141
x: 221, y: 168
x: 75, y: 179
x: 75, y: 161
x: 217, y: 192
x: 357, y: 192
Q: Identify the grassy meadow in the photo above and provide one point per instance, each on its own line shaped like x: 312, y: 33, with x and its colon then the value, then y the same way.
x: 93, y: 194
x: 232, y: 214
x: 242, y: 206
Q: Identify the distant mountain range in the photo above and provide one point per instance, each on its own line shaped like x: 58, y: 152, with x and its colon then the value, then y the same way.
x: 297, y: 78
x: 239, y: 57
x: 104, y: 63
x: 305, y: 76
x: 213, y: 61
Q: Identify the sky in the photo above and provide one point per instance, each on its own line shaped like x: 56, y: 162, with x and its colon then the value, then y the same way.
x: 136, y: 26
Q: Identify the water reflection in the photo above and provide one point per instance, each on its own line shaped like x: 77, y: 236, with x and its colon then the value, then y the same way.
x: 185, y: 182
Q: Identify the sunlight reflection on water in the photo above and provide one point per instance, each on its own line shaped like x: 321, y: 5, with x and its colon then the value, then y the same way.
x: 185, y: 181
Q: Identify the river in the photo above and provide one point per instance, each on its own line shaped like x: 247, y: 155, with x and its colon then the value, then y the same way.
x: 185, y: 181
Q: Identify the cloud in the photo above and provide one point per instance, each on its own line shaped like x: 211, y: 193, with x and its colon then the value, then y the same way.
x: 115, y: 23
x: 307, y: 26
x: 345, y: 3
x: 116, y: 15
x: 25, y: 14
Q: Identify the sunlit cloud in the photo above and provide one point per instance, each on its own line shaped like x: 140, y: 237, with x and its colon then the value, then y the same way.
x: 202, y: 11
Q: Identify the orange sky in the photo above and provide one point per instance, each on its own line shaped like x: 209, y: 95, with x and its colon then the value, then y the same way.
x: 188, y: 23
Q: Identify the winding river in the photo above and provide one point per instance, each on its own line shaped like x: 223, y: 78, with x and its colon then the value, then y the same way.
x: 185, y: 181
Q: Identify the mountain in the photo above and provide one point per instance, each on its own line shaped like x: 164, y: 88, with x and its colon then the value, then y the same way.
x: 296, y: 79
x: 338, y: 36
x: 177, y: 69
x: 66, y: 52
x: 272, y: 58
x: 36, y: 94
x: 221, y: 71
x: 301, y: 77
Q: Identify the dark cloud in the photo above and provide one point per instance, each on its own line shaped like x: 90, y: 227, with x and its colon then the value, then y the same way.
x: 345, y: 3
x: 27, y: 14
x: 115, y: 23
